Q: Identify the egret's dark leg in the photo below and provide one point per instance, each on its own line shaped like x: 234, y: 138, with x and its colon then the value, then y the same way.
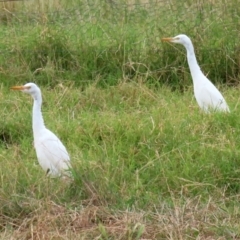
x: 48, y: 171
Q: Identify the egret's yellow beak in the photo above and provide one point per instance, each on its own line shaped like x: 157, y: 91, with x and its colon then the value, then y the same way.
x: 19, y: 88
x: 167, y: 39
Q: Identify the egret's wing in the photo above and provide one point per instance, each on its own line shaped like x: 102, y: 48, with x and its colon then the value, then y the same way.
x: 51, y: 153
x: 211, y: 98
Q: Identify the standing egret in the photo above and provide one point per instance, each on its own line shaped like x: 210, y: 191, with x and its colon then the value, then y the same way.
x: 51, y: 153
x: 207, y: 95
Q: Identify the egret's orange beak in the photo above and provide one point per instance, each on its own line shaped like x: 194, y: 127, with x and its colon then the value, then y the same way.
x: 167, y: 39
x: 18, y: 88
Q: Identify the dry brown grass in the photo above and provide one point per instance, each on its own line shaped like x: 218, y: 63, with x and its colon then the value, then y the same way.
x: 191, y: 220
x: 9, y: 9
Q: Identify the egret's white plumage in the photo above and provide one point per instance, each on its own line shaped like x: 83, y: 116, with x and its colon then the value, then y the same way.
x: 51, y: 153
x: 207, y: 95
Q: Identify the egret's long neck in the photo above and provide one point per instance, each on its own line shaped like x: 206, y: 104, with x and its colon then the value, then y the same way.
x: 192, y: 62
x: 37, y: 118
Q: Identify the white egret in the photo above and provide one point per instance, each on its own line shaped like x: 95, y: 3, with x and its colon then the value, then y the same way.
x: 51, y: 153
x: 207, y: 95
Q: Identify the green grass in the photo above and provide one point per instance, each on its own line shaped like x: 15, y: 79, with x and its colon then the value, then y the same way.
x: 136, y: 151
x: 76, y: 42
x: 147, y: 163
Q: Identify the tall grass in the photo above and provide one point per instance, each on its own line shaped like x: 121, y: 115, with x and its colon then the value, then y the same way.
x: 107, y: 41
x: 132, y: 147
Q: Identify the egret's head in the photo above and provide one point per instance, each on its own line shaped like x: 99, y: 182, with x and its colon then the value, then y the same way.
x: 30, y: 88
x: 182, y: 39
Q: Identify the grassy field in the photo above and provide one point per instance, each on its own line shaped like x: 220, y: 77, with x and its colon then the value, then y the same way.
x: 57, y: 42
x: 147, y: 163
